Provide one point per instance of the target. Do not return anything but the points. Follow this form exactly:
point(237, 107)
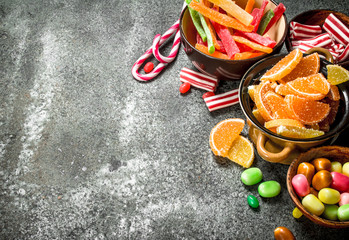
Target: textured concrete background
point(87, 152)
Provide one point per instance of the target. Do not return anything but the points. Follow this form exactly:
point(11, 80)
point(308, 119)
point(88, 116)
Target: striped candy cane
point(154, 49)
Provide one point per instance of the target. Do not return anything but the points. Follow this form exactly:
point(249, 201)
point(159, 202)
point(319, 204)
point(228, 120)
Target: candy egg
point(329, 196)
point(307, 169)
point(300, 185)
point(251, 176)
point(321, 164)
point(322, 179)
point(283, 233)
point(313, 205)
point(330, 212)
point(340, 182)
point(344, 199)
point(343, 212)
point(336, 167)
point(345, 169)
point(269, 189)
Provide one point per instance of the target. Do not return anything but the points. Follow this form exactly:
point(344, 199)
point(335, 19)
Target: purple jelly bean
point(301, 185)
point(340, 182)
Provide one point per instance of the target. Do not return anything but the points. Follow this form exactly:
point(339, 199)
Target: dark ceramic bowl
point(333, 153)
point(316, 17)
point(273, 147)
point(220, 68)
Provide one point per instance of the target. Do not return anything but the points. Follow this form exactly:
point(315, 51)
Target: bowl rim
point(279, 44)
point(295, 199)
point(288, 44)
point(258, 125)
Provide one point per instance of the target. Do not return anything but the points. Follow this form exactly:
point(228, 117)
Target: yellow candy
point(329, 196)
point(297, 213)
point(345, 169)
point(313, 204)
point(336, 167)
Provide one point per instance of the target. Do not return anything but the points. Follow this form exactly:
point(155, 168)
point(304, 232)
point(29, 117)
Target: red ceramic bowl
point(220, 68)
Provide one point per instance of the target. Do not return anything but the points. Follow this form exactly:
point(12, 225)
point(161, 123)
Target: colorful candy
point(343, 212)
point(340, 182)
point(283, 233)
point(322, 179)
point(296, 213)
point(252, 201)
point(251, 176)
point(344, 199)
point(300, 185)
point(269, 189)
point(307, 169)
point(329, 196)
point(198, 80)
point(222, 100)
point(313, 205)
point(336, 167)
point(330, 212)
point(321, 164)
point(345, 169)
point(185, 87)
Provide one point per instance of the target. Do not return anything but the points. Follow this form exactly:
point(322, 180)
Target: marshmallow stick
point(223, 100)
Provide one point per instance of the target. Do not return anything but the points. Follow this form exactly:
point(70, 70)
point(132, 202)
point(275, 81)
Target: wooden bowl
point(221, 68)
point(317, 17)
point(333, 153)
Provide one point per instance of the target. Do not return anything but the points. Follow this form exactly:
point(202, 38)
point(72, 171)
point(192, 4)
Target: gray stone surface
point(87, 152)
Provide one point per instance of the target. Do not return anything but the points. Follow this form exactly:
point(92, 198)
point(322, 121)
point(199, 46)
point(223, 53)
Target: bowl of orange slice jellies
point(294, 102)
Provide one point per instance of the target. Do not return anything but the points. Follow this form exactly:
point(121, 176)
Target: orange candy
point(261, 102)
point(277, 105)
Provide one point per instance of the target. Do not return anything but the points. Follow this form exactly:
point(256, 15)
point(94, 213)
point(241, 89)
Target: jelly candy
point(252, 201)
point(296, 213)
point(307, 169)
point(343, 212)
point(330, 212)
point(269, 189)
point(300, 185)
point(344, 199)
point(340, 182)
point(345, 169)
point(322, 164)
point(322, 179)
point(329, 196)
point(251, 176)
point(313, 205)
point(336, 167)
point(283, 233)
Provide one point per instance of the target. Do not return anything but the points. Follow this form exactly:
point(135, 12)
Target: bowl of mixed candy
point(318, 183)
point(224, 38)
point(294, 102)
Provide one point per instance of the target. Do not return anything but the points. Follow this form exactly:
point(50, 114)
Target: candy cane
point(154, 49)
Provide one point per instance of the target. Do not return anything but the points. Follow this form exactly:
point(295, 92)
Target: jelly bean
point(314, 192)
point(330, 212)
point(344, 199)
point(313, 205)
point(251, 176)
point(307, 169)
point(283, 233)
point(322, 179)
point(296, 213)
point(329, 196)
point(343, 212)
point(185, 87)
point(207, 94)
point(269, 189)
point(321, 164)
point(300, 185)
point(345, 169)
point(340, 182)
point(252, 201)
point(336, 167)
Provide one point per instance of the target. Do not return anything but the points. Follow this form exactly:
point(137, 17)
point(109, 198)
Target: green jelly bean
point(252, 201)
point(330, 212)
point(343, 212)
point(313, 204)
point(265, 21)
point(196, 21)
point(329, 196)
point(210, 46)
point(251, 176)
point(269, 189)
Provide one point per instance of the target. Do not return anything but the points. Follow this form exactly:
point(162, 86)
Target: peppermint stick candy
point(198, 80)
point(223, 100)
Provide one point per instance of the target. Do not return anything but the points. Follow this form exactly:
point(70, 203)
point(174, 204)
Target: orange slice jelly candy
point(260, 101)
point(314, 87)
point(273, 124)
point(298, 132)
point(306, 111)
point(308, 65)
point(284, 66)
point(283, 90)
point(223, 135)
point(277, 105)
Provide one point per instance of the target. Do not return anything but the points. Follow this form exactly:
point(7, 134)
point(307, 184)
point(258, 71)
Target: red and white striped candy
point(304, 46)
point(344, 55)
point(298, 30)
point(336, 29)
point(336, 51)
point(223, 100)
point(323, 40)
point(198, 80)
